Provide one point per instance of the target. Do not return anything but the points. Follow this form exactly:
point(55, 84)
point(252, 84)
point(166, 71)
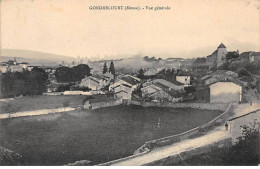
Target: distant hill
point(40, 58)
point(129, 64)
point(32, 62)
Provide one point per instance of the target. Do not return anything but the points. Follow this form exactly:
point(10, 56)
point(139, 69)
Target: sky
point(192, 28)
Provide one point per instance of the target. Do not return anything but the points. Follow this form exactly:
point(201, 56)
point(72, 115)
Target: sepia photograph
point(130, 83)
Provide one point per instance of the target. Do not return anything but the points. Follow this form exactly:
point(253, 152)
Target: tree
point(243, 72)
point(63, 74)
point(38, 81)
point(80, 71)
point(76, 73)
point(246, 151)
point(19, 84)
point(112, 68)
point(200, 60)
point(7, 85)
point(140, 73)
point(105, 68)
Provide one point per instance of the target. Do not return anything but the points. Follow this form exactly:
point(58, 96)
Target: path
point(219, 134)
point(241, 109)
point(35, 112)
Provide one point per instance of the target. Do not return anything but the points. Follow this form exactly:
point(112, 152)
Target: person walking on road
point(226, 126)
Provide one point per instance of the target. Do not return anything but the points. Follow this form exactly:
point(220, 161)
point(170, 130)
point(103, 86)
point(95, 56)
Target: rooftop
point(129, 80)
point(221, 46)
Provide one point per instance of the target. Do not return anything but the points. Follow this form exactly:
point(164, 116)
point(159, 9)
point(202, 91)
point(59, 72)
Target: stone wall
point(207, 106)
point(124, 159)
point(98, 105)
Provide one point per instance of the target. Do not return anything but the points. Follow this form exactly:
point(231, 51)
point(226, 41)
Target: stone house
point(225, 92)
point(124, 86)
point(183, 79)
point(95, 82)
point(127, 80)
point(161, 92)
point(254, 57)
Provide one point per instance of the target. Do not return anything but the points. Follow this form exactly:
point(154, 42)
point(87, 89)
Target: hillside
point(33, 62)
point(46, 58)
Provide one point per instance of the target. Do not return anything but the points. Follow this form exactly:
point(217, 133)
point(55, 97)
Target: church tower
point(221, 54)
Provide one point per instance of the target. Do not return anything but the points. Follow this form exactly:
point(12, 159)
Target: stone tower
point(221, 54)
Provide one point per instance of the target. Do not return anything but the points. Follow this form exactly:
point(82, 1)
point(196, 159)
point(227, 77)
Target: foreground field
point(97, 135)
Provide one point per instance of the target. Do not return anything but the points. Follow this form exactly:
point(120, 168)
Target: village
point(129, 83)
point(207, 80)
point(162, 102)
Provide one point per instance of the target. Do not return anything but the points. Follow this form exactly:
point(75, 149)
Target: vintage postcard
point(129, 82)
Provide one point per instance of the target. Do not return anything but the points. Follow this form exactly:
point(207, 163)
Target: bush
point(243, 72)
point(62, 88)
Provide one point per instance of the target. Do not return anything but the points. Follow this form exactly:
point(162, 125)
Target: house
point(123, 95)
point(123, 91)
point(183, 78)
point(16, 68)
point(30, 67)
point(225, 92)
point(13, 66)
point(90, 82)
point(173, 85)
point(219, 75)
point(97, 81)
point(150, 72)
point(128, 80)
point(3, 68)
point(161, 90)
point(150, 89)
point(24, 65)
point(124, 86)
point(244, 57)
point(254, 57)
point(94, 82)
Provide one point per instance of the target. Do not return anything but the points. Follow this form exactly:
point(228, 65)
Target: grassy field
point(29, 103)
point(97, 135)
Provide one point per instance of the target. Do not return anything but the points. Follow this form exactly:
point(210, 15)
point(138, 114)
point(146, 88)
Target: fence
point(188, 134)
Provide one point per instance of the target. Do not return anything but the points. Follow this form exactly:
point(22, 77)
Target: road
point(218, 134)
